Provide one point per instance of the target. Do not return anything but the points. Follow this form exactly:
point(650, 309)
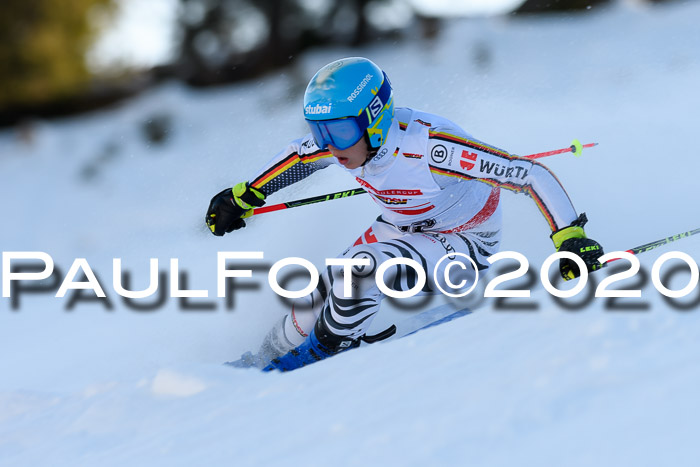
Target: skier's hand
point(228, 208)
point(573, 239)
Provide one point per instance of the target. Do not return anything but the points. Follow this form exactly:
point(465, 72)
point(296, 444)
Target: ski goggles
point(344, 132)
point(340, 133)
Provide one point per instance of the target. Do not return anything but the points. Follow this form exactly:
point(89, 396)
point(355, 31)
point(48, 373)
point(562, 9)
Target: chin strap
point(372, 150)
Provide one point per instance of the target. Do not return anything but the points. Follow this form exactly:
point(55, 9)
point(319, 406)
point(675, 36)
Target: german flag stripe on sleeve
point(508, 186)
point(444, 136)
point(313, 157)
point(542, 207)
point(287, 163)
point(527, 189)
point(553, 176)
point(276, 170)
point(543, 167)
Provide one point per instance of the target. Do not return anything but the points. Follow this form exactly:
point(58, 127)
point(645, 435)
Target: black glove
point(228, 208)
point(573, 239)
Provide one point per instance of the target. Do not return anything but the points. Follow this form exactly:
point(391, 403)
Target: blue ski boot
point(310, 351)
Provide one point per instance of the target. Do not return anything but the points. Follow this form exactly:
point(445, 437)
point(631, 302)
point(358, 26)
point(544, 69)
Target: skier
point(438, 189)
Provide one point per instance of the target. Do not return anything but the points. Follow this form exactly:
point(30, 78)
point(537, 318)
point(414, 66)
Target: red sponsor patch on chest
point(396, 192)
point(411, 155)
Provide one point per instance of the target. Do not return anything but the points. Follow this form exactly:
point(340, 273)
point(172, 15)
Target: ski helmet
point(346, 100)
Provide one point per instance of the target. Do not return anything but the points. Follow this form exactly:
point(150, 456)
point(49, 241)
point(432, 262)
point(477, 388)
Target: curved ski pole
point(575, 148)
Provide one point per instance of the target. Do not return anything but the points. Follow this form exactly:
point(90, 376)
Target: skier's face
point(352, 157)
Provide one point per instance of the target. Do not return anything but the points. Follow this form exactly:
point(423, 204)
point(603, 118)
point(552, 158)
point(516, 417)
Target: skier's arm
point(297, 161)
point(469, 159)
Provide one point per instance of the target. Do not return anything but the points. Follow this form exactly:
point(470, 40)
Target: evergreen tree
point(43, 46)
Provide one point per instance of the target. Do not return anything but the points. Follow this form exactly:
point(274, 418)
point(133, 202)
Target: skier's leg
point(345, 319)
point(349, 318)
point(293, 328)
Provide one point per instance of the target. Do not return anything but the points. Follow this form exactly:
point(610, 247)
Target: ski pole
point(311, 200)
point(655, 244)
point(575, 148)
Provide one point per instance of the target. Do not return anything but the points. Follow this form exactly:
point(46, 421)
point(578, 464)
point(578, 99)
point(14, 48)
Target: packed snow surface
point(587, 382)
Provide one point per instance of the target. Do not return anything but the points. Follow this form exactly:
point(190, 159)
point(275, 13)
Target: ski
point(247, 360)
point(428, 319)
point(407, 327)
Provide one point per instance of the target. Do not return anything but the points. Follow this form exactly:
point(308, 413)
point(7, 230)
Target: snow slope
point(549, 386)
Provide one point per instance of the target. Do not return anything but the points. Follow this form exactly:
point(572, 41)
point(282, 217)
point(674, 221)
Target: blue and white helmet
point(347, 99)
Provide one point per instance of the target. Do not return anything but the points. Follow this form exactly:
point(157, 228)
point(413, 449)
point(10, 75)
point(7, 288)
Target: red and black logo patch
point(465, 158)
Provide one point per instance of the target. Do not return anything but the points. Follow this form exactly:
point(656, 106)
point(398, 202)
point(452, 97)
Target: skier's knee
point(361, 282)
